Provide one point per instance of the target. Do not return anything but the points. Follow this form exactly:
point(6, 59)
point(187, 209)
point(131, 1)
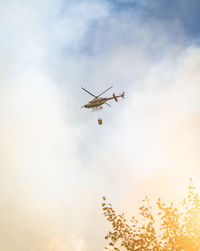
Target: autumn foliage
point(175, 229)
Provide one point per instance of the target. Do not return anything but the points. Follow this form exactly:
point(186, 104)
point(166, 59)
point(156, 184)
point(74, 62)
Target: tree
point(179, 229)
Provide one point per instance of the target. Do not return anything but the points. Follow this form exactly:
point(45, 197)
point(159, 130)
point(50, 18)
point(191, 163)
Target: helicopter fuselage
point(96, 102)
point(100, 101)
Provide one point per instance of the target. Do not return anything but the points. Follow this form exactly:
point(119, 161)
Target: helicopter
point(97, 102)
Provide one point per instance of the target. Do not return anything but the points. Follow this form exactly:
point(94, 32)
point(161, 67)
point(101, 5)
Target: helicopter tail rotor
point(115, 98)
point(123, 94)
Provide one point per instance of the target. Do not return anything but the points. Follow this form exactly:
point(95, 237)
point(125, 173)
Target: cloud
point(163, 12)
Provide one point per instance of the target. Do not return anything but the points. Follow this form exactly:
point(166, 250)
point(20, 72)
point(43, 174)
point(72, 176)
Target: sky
point(56, 162)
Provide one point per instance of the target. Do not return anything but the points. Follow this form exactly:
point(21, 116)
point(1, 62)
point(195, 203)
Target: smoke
point(153, 144)
point(56, 162)
point(63, 243)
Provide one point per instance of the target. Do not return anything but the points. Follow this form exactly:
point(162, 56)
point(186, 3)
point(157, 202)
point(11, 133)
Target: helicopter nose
point(84, 106)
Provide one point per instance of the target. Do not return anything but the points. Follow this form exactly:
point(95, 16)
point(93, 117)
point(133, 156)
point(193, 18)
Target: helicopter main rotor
point(99, 94)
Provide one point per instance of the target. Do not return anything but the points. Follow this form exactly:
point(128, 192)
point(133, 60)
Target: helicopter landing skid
point(97, 109)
